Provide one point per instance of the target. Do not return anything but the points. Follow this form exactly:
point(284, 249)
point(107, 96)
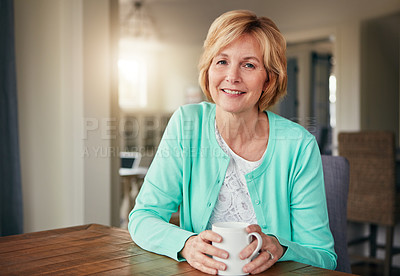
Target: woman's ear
point(266, 82)
point(265, 85)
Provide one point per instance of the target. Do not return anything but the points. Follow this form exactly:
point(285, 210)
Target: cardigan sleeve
point(160, 196)
point(311, 239)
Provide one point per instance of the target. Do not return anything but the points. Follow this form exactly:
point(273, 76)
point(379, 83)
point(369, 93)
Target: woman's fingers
point(211, 250)
point(204, 268)
point(207, 248)
point(254, 228)
point(210, 262)
point(259, 264)
point(210, 236)
point(198, 248)
point(248, 250)
point(270, 252)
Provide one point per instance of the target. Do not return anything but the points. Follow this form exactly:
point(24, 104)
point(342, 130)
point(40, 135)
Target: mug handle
point(259, 243)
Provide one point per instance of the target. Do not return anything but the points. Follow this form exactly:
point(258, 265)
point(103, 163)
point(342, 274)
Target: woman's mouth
point(232, 92)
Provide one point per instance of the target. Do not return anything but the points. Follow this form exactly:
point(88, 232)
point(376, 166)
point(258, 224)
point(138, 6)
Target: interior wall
point(380, 74)
point(116, 188)
point(49, 82)
point(380, 69)
point(178, 73)
point(63, 82)
point(71, 109)
point(347, 55)
point(99, 124)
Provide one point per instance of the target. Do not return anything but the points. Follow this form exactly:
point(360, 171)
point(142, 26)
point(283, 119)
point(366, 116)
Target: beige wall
point(181, 76)
point(380, 70)
point(97, 108)
point(62, 77)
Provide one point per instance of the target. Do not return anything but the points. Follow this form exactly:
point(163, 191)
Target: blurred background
point(89, 87)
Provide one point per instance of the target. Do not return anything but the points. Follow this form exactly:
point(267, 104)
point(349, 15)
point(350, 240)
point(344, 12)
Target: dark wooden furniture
point(373, 198)
point(102, 250)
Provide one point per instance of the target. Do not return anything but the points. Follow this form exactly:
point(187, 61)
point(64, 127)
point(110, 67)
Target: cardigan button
point(257, 202)
point(209, 204)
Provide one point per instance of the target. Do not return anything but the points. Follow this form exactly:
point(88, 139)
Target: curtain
point(11, 220)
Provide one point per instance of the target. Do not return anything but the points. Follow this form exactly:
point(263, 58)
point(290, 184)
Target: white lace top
point(234, 203)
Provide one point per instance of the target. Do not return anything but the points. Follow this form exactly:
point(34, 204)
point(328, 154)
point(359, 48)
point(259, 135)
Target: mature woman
point(231, 160)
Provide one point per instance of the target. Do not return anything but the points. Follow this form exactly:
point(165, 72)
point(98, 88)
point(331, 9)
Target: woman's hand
point(270, 252)
point(198, 247)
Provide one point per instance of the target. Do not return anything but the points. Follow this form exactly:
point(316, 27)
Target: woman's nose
point(233, 74)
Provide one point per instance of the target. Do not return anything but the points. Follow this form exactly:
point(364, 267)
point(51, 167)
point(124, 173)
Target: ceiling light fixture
point(137, 24)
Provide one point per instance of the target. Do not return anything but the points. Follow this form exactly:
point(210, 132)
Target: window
point(132, 82)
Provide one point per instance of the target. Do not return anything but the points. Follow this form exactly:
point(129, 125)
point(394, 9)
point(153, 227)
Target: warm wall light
point(332, 88)
point(132, 83)
point(137, 46)
point(332, 100)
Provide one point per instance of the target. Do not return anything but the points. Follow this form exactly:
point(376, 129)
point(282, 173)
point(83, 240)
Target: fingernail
point(222, 267)
point(225, 255)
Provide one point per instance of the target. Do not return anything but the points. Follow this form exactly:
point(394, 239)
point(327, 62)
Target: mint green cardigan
point(287, 189)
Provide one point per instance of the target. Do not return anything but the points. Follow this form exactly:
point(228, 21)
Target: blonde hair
point(229, 27)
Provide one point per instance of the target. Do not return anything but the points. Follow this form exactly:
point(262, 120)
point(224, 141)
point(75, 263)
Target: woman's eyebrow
point(252, 58)
point(245, 58)
point(221, 55)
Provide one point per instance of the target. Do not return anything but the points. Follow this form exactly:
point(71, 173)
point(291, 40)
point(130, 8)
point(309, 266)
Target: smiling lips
point(232, 92)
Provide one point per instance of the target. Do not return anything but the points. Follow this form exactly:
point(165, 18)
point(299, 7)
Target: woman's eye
point(249, 65)
point(222, 62)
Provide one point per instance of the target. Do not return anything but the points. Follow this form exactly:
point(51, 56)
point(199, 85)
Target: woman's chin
point(234, 109)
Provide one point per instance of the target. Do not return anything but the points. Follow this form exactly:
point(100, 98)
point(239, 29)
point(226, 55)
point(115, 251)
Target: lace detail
point(234, 202)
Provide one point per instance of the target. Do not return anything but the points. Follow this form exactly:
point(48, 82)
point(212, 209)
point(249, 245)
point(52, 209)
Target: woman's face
point(237, 76)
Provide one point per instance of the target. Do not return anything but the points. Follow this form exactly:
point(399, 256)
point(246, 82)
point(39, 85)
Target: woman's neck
point(244, 133)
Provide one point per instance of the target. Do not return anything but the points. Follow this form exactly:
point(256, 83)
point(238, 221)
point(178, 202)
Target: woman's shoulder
point(190, 117)
point(194, 112)
point(197, 109)
point(285, 128)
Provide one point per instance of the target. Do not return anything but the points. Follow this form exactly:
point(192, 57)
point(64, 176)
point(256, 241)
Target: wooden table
point(102, 250)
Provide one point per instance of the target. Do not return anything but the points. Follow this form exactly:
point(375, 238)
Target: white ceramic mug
point(234, 239)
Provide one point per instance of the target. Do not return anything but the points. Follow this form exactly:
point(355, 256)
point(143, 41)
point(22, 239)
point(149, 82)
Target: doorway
point(311, 92)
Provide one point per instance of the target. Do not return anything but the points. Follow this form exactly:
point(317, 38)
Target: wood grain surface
point(102, 250)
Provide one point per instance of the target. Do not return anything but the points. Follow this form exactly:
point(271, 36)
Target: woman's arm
point(312, 241)
point(160, 196)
